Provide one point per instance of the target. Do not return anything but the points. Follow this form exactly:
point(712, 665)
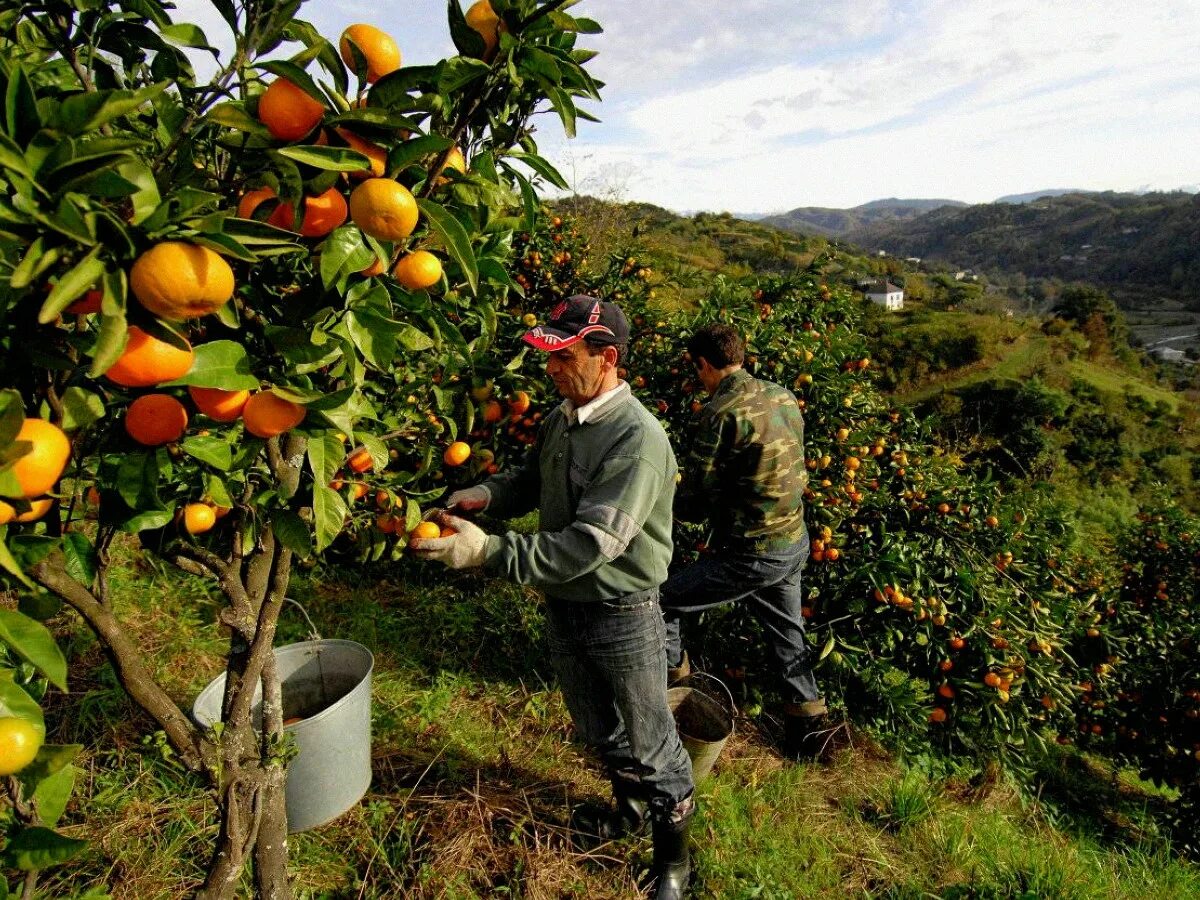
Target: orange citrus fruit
point(20, 741)
point(37, 509)
point(266, 414)
point(147, 361)
point(375, 268)
point(454, 160)
point(156, 419)
point(360, 460)
point(223, 406)
point(322, 213)
point(418, 270)
point(447, 532)
point(288, 111)
point(483, 19)
point(254, 198)
point(199, 518)
point(39, 469)
point(376, 154)
point(425, 531)
point(492, 412)
point(518, 403)
point(457, 453)
point(358, 490)
point(384, 209)
point(178, 280)
point(377, 48)
point(937, 714)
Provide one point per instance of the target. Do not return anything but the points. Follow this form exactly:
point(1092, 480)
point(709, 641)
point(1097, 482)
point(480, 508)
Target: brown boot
point(679, 672)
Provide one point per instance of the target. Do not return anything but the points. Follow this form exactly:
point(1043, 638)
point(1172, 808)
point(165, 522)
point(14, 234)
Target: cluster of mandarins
point(179, 281)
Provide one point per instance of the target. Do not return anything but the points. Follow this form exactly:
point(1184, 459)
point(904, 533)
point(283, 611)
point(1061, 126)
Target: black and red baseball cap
point(578, 318)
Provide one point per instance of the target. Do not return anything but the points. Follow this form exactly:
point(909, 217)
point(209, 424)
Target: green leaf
point(80, 278)
point(220, 364)
point(184, 34)
point(234, 115)
point(82, 562)
point(330, 159)
point(563, 105)
point(225, 245)
point(456, 73)
point(88, 111)
point(329, 510)
point(466, 39)
point(413, 339)
point(292, 532)
point(16, 702)
point(345, 243)
point(81, 408)
point(405, 154)
point(50, 759)
point(455, 239)
point(32, 641)
point(52, 795)
point(8, 563)
point(542, 167)
point(21, 118)
point(37, 848)
point(209, 449)
point(36, 260)
point(374, 336)
point(146, 198)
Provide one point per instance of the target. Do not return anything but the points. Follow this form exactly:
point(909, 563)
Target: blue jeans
point(770, 583)
point(610, 663)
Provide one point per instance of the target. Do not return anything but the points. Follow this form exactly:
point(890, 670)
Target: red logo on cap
point(594, 315)
point(558, 311)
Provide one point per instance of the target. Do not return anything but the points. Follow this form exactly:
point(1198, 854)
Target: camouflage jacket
point(745, 471)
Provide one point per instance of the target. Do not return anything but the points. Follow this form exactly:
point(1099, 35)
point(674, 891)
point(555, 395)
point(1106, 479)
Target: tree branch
point(193, 748)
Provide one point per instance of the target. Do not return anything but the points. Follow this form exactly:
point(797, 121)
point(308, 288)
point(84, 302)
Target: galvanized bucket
point(703, 717)
point(327, 709)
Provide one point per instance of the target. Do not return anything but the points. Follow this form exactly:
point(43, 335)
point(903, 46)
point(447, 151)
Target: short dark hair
point(719, 343)
point(595, 347)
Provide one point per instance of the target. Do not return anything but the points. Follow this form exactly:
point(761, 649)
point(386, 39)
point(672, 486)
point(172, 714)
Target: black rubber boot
point(679, 672)
point(627, 815)
point(672, 867)
point(807, 734)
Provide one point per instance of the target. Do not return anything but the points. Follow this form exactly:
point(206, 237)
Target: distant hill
point(1038, 195)
point(1131, 244)
point(837, 222)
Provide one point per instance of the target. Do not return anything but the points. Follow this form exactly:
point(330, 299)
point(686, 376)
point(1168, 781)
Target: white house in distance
point(886, 294)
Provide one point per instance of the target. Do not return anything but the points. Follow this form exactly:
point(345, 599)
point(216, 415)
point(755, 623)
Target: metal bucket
point(327, 692)
point(703, 718)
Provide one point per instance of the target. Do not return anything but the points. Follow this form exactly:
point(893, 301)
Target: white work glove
point(472, 499)
point(464, 550)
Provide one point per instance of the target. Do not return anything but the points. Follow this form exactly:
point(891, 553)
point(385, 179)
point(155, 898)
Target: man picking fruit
point(747, 464)
point(603, 475)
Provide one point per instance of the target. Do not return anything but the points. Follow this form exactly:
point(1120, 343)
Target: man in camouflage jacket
point(745, 473)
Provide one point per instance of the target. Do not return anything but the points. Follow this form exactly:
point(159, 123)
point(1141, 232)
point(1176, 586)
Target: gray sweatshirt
point(605, 489)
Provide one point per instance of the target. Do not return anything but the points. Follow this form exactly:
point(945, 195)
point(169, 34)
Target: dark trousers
point(770, 583)
point(612, 669)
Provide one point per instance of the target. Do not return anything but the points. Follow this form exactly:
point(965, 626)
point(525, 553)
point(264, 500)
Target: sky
point(762, 106)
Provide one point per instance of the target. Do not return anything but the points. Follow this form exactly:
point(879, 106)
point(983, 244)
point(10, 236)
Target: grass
point(473, 775)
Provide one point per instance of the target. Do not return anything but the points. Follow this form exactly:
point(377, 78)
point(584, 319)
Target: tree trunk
point(271, 849)
point(239, 804)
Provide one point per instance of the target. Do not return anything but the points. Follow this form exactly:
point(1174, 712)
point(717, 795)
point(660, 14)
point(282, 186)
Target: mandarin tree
point(199, 328)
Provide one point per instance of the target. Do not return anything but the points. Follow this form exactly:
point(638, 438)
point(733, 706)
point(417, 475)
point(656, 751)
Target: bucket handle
point(313, 634)
point(732, 708)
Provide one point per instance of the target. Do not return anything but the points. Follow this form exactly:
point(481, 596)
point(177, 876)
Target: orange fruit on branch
point(360, 460)
point(373, 152)
point(266, 414)
point(288, 111)
point(457, 453)
point(381, 53)
point(87, 304)
point(384, 209)
point(483, 19)
point(37, 509)
point(518, 403)
point(39, 469)
point(20, 741)
point(178, 280)
point(217, 404)
point(156, 419)
point(147, 361)
point(199, 518)
point(418, 270)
